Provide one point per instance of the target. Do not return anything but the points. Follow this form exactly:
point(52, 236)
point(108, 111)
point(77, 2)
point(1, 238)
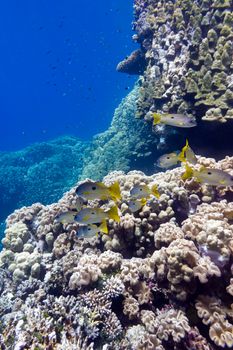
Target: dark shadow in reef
point(208, 139)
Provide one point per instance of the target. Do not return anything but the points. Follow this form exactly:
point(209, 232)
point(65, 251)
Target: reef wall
point(188, 47)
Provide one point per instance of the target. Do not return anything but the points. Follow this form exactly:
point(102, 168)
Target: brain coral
point(161, 279)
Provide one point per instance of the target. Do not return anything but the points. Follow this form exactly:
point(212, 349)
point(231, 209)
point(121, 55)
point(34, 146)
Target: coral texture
point(135, 63)
point(107, 153)
point(161, 279)
point(44, 171)
point(41, 172)
point(188, 47)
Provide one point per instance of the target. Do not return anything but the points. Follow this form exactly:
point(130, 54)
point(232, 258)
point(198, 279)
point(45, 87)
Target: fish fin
point(188, 172)
point(115, 191)
point(222, 182)
point(155, 192)
point(182, 155)
point(113, 214)
point(103, 227)
point(157, 118)
point(143, 201)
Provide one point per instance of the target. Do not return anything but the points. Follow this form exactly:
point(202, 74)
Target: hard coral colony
point(134, 262)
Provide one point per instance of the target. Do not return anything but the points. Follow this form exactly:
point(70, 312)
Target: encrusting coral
point(160, 279)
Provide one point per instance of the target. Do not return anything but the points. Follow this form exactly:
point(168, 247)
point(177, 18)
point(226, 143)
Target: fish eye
point(93, 188)
point(172, 117)
point(209, 173)
point(140, 189)
point(93, 213)
point(89, 229)
point(168, 157)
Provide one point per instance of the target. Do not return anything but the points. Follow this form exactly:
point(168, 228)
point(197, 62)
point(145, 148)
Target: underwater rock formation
point(135, 63)
point(126, 143)
point(188, 47)
point(189, 50)
point(161, 279)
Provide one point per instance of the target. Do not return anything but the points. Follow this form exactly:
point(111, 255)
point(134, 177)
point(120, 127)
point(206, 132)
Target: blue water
point(58, 61)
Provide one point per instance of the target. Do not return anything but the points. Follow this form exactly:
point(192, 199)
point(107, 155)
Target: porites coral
point(146, 274)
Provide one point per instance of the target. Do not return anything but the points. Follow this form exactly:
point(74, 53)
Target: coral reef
point(188, 47)
point(161, 279)
point(135, 63)
point(107, 153)
point(44, 171)
point(41, 172)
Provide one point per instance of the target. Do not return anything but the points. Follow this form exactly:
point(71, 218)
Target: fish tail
point(155, 192)
point(115, 191)
point(188, 172)
point(113, 214)
point(103, 227)
point(182, 155)
point(157, 118)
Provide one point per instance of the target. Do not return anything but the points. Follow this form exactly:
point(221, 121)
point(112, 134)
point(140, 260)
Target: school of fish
point(93, 221)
